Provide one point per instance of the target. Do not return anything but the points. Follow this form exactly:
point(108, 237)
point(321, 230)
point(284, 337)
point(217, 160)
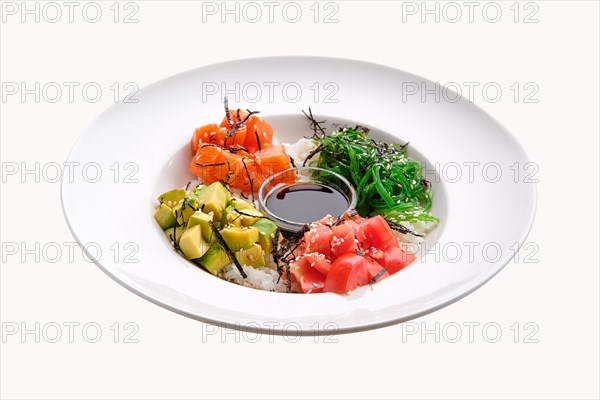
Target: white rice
point(300, 150)
point(263, 278)
point(420, 227)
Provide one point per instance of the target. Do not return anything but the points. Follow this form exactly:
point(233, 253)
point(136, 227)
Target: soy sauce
point(306, 202)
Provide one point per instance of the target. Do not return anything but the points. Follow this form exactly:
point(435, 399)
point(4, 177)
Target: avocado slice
point(185, 209)
point(249, 216)
point(202, 219)
point(230, 216)
point(252, 256)
point(241, 204)
point(215, 198)
point(266, 233)
point(164, 216)
point(172, 197)
point(246, 207)
point(214, 259)
point(198, 189)
point(192, 244)
point(238, 238)
point(175, 233)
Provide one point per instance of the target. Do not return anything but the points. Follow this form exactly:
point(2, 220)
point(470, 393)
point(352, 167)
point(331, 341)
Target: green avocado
point(202, 219)
point(238, 238)
point(172, 197)
point(230, 216)
point(241, 204)
point(185, 209)
point(198, 189)
point(249, 216)
point(192, 244)
point(214, 259)
point(266, 233)
point(215, 198)
point(164, 216)
point(252, 256)
point(175, 233)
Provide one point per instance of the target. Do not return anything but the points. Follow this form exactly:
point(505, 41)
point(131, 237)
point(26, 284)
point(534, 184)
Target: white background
point(176, 357)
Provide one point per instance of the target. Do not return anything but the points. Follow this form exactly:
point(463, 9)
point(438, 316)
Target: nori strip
point(312, 154)
point(249, 178)
point(227, 249)
point(210, 165)
point(377, 276)
point(314, 124)
point(258, 141)
point(246, 214)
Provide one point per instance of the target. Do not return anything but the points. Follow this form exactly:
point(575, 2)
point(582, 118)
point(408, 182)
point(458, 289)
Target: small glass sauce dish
point(299, 196)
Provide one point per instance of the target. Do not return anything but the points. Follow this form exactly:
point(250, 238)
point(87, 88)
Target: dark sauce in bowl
point(306, 202)
point(298, 196)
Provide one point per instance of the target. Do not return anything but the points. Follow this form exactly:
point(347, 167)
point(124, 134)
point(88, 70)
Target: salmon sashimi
point(209, 163)
point(238, 152)
point(203, 134)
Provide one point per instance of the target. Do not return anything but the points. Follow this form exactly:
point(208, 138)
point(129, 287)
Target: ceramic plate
point(135, 151)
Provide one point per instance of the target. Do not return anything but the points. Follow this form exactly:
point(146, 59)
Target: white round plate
point(141, 150)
